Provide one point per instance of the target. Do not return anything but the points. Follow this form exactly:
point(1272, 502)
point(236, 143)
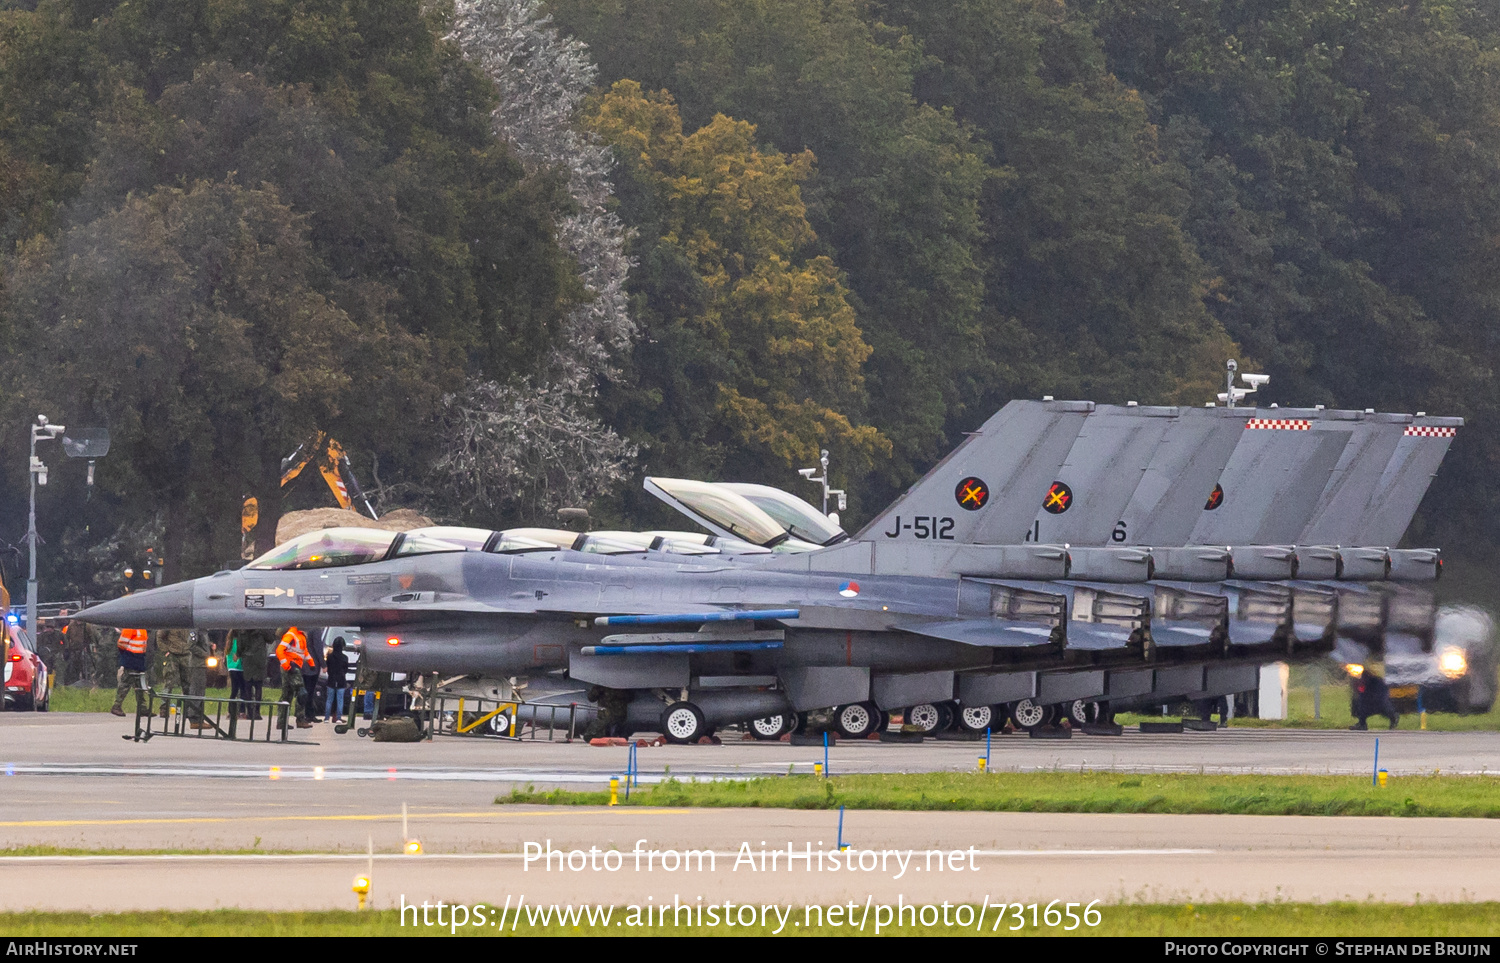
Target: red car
point(25, 673)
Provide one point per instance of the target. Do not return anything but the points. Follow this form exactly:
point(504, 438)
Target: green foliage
point(281, 217)
point(895, 199)
point(769, 356)
point(1342, 162)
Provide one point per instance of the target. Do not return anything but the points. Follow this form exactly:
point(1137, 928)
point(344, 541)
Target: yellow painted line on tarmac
point(348, 817)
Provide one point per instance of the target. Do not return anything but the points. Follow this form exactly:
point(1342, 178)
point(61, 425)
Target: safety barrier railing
point(208, 712)
point(514, 721)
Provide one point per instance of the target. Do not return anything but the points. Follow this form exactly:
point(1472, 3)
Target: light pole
point(41, 431)
point(811, 474)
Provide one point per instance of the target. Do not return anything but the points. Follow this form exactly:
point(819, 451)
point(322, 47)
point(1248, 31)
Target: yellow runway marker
point(350, 817)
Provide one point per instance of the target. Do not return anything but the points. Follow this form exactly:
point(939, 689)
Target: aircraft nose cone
point(168, 607)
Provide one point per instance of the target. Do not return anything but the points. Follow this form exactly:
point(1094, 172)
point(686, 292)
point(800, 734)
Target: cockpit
point(801, 520)
point(334, 547)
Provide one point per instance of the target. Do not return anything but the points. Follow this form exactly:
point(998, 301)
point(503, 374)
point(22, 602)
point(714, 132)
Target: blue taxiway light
point(697, 617)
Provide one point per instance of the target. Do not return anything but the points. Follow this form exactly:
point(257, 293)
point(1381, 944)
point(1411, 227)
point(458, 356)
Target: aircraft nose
point(168, 607)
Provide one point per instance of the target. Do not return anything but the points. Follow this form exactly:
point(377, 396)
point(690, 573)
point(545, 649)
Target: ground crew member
point(78, 652)
point(1369, 696)
point(132, 674)
point(198, 651)
point(292, 654)
point(253, 647)
point(174, 645)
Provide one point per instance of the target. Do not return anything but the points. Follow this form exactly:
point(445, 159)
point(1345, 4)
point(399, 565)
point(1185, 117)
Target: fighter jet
point(780, 612)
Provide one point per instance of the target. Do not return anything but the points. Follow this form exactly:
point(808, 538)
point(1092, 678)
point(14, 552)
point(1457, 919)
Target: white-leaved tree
point(534, 444)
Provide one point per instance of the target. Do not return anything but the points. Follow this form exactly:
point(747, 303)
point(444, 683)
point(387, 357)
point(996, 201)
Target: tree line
point(514, 256)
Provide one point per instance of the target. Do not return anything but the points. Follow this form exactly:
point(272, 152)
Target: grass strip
point(1446, 920)
point(1066, 792)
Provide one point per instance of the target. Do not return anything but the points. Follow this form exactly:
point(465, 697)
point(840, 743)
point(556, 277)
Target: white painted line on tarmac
point(725, 854)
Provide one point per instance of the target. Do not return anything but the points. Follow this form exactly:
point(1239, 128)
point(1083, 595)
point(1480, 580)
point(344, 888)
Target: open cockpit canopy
point(727, 513)
point(332, 547)
point(800, 519)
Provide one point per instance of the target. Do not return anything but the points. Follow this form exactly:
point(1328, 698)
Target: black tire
point(980, 718)
point(770, 728)
point(499, 725)
point(1028, 714)
point(947, 716)
point(857, 720)
point(926, 717)
point(799, 724)
point(1080, 712)
point(683, 723)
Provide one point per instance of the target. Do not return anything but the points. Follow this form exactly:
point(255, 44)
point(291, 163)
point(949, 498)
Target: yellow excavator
point(332, 463)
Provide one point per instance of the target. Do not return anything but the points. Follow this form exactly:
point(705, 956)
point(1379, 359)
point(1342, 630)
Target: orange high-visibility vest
point(133, 640)
point(293, 649)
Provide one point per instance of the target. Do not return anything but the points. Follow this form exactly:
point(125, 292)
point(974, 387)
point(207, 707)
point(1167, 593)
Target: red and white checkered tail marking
point(1282, 424)
point(1425, 431)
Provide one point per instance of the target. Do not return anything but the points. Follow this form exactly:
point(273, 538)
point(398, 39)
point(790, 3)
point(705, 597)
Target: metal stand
point(178, 724)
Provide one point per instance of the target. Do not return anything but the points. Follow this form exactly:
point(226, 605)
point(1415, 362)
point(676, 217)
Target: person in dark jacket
point(1369, 696)
point(338, 681)
point(310, 670)
point(255, 648)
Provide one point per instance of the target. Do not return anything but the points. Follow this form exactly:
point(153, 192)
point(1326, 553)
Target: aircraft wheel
point(1080, 712)
point(1027, 714)
point(857, 720)
point(925, 717)
point(947, 715)
point(979, 718)
point(770, 728)
point(799, 724)
point(682, 722)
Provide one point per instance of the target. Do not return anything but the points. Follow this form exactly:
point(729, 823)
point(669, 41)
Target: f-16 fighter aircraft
point(940, 599)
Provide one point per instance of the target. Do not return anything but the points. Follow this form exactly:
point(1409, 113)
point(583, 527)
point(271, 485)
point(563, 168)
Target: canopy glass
point(331, 547)
point(795, 515)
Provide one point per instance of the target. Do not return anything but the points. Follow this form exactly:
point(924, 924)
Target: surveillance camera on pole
point(811, 474)
point(1231, 395)
point(37, 469)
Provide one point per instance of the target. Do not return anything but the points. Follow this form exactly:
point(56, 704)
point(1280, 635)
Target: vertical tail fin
point(1341, 508)
point(986, 491)
point(1180, 479)
point(1274, 478)
point(1102, 470)
point(1405, 480)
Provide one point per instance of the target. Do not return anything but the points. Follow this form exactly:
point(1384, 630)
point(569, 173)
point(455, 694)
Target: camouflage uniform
point(176, 665)
point(198, 650)
point(131, 680)
point(106, 655)
point(291, 691)
point(254, 647)
point(78, 652)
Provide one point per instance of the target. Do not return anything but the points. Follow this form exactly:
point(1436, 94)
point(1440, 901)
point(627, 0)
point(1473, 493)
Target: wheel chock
point(907, 737)
point(957, 736)
point(1161, 727)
